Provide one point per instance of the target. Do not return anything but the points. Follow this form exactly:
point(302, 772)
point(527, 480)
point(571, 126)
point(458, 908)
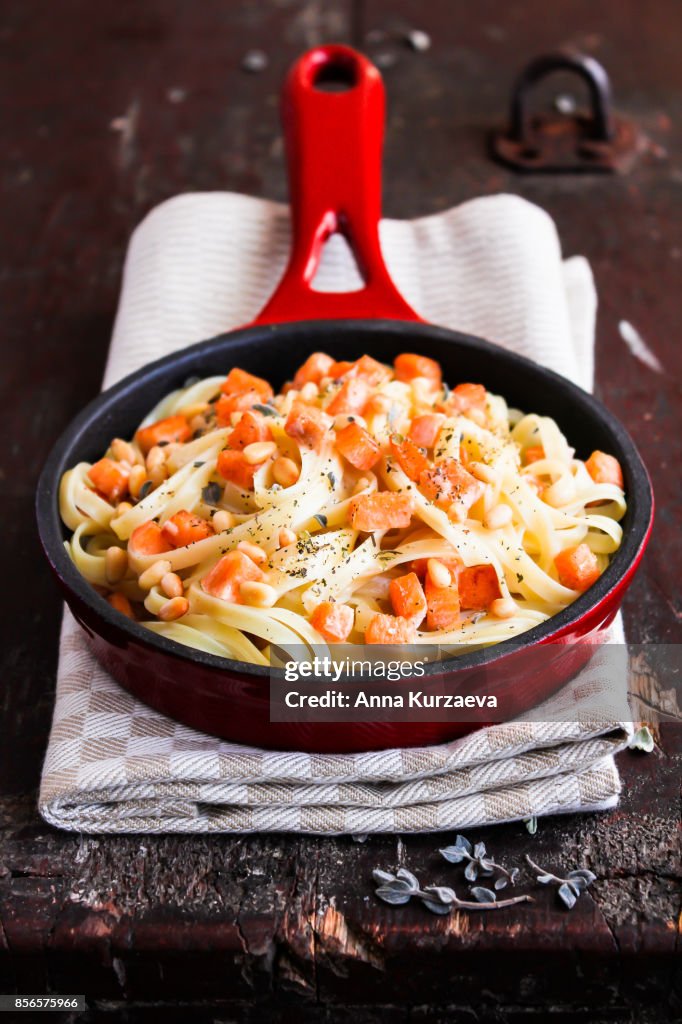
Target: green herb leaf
point(454, 854)
point(266, 410)
point(390, 894)
point(471, 871)
point(583, 877)
point(211, 493)
point(436, 908)
point(382, 877)
point(642, 740)
point(567, 895)
point(482, 895)
point(442, 894)
point(569, 888)
point(439, 899)
point(408, 877)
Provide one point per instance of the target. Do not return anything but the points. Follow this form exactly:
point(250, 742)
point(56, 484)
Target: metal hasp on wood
point(566, 142)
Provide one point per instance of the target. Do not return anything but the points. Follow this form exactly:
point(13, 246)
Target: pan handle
point(334, 141)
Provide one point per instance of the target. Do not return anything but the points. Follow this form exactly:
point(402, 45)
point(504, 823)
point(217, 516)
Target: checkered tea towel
point(200, 264)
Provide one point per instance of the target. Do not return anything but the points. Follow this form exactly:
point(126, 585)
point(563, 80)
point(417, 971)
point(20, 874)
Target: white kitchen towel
point(201, 264)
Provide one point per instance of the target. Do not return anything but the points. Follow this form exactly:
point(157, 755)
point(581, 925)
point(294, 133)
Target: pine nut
point(497, 517)
point(503, 608)
point(171, 584)
point(121, 603)
point(259, 451)
point(486, 474)
point(439, 574)
point(123, 451)
point(222, 520)
point(260, 595)
point(123, 507)
point(286, 537)
point(285, 471)
point(170, 449)
point(115, 564)
point(138, 475)
point(255, 553)
point(157, 475)
point(173, 609)
point(156, 456)
point(154, 574)
point(235, 418)
point(560, 492)
point(309, 391)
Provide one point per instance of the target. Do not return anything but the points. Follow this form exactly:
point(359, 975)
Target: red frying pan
point(334, 141)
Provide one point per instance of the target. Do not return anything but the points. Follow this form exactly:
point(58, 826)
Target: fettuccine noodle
point(362, 504)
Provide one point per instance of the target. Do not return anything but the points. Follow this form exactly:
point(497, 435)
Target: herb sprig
point(399, 889)
point(570, 887)
point(478, 862)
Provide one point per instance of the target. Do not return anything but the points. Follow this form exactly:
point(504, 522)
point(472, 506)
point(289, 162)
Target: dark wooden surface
point(108, 109)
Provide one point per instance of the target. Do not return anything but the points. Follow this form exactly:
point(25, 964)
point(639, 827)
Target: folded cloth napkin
point(198, 265)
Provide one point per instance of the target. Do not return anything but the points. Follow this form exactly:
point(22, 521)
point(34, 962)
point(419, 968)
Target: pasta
point(363, 504)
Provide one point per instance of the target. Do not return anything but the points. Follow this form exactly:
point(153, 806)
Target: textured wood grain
point(109, 109)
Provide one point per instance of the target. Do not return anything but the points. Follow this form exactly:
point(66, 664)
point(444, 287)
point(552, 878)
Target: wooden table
point(109, 109)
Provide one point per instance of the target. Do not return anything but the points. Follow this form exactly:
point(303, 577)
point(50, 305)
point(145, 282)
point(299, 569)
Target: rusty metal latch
point(566, 142)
